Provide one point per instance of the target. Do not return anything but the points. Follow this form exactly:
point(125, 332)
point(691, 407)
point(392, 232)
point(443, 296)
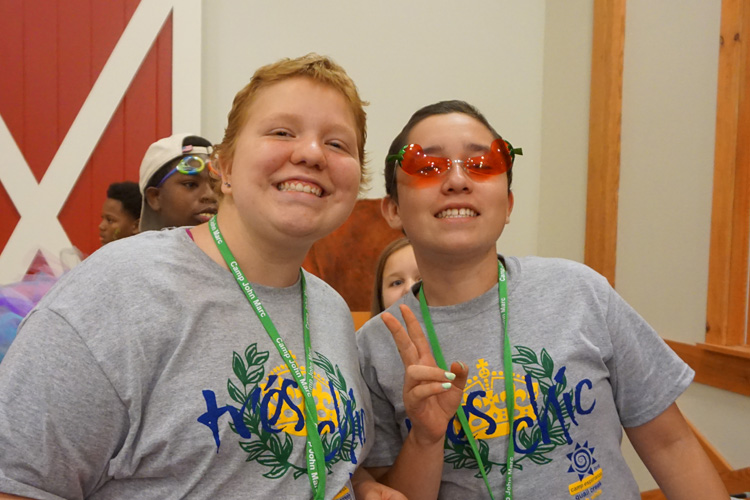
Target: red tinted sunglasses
point(497, 160)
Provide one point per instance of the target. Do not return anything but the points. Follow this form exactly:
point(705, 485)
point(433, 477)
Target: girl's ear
point(152, 198)
point(225, 169)
point(390, 210)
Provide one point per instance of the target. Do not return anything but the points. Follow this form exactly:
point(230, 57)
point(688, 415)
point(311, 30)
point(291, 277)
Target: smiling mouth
point(300, 187)
point(206, 216)
point(455, 213)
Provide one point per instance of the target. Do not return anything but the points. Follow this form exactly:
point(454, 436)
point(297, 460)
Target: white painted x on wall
point(38, 204)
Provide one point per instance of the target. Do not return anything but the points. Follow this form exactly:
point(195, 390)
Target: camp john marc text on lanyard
point(316, 465)
point(502, 292)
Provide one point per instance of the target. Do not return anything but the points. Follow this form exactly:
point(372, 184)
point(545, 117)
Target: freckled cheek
point(347, 175)
point(261, 167)
point(266, 160)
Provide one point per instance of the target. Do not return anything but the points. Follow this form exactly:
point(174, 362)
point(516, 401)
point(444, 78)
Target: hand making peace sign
point(431, 395)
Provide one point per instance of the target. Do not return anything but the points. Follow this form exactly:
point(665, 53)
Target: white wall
point(565, 128)
point(669, 115)
point(402, 55)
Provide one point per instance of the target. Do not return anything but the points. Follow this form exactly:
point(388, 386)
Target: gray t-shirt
point(584, 365)
point(146, 374)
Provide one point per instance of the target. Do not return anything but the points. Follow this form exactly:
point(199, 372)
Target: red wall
point(51, 52)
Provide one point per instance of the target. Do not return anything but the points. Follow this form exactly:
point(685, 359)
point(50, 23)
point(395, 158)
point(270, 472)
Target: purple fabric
point(16, 301)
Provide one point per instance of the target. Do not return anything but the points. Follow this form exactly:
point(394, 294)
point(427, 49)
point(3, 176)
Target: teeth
point(300, 187)
point(450, 213)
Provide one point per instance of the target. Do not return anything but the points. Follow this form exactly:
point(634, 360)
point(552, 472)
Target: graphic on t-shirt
point(269, 411)
point(583, 463)
point(547, 404)
point(345, 493)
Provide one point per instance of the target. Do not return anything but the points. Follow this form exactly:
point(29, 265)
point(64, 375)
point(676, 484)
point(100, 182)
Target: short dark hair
point(129, 195)
point(439, 108)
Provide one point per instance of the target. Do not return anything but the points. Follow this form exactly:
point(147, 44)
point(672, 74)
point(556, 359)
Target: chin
point(305, 233)
point(310, 227)
point(463, 246)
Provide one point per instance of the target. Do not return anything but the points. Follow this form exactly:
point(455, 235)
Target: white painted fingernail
point(450, 376)
point(447, 386)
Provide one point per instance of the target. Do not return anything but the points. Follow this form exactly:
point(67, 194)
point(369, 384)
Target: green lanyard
point(316, 464)
point(502, 292)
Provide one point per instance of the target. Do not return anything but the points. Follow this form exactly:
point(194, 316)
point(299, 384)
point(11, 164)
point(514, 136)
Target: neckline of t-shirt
point(262, 290)
point(477, 305)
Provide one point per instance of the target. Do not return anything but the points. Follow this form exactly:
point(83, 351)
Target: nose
point(102, 225)
point(309, 152)
point(456, 179)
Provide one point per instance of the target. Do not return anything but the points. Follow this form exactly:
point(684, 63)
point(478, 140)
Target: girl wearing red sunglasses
point(517, 375)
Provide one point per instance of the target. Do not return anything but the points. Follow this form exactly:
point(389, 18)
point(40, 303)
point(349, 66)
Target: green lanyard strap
point(502, 292)
point(316, 464)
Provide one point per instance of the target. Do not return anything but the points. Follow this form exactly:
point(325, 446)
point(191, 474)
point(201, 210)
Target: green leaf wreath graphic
point(345, 445)
point(273, 450)
point(543, 372)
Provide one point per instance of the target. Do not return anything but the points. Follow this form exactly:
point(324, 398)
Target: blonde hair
point(319, 68)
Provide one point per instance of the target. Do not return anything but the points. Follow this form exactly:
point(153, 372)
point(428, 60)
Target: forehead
point(401, 260)
point(450, 131)
point(112, 206)
point(178, 177)
point(301, 96)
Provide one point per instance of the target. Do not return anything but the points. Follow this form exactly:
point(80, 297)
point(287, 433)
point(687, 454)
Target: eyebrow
point(472, 147)
point(296, 118)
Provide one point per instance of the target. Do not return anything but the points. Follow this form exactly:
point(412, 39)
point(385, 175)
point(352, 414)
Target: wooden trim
point(653, 495)
point(739, 351)
point(605, 117)
point(728, 261)
point(741, 229)
point(720, 370)
point(737, 481)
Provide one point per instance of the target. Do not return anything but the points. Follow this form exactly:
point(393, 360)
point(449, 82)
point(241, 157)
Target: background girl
point(395, 274)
